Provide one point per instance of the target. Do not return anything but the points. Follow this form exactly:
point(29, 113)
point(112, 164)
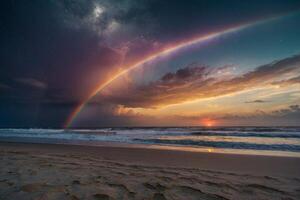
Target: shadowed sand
point(42, 171)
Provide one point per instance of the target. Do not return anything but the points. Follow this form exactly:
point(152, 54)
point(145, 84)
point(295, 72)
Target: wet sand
point(44, 171)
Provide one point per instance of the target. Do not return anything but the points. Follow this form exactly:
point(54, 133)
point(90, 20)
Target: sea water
point(283, 141)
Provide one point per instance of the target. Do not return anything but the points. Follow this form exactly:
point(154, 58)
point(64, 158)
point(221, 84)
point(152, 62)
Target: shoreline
point(191, 148)
point(139, 154)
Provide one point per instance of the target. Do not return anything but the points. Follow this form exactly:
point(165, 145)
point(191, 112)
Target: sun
point(208, 122)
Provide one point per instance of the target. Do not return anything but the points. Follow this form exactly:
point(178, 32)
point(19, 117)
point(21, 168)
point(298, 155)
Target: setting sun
point(208, 122)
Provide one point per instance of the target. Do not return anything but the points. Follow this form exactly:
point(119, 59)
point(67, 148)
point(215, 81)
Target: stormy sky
point(55, 53)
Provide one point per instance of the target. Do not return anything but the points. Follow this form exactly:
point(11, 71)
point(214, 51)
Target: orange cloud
point(294, 80)
point(200, 82)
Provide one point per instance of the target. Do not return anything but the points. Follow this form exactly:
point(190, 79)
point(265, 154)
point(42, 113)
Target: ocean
point(281, 141)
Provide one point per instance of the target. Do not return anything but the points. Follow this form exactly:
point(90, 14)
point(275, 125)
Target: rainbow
point(173, 48)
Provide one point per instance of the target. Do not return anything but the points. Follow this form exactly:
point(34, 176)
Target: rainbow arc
point(172, 49)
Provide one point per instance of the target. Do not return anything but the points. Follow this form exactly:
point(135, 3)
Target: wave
point(60, 134)
point(249, 134)
point(225, 145)
point(195, 128)
point(259, 138)
point(35, 131)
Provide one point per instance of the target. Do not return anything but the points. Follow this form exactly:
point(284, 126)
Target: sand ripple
point(67, 176)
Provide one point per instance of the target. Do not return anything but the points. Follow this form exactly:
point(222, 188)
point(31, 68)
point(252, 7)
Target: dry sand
point(42, 171)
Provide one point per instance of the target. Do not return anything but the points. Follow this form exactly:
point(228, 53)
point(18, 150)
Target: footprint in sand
point(102, 197)
point(33, 187)
point(159, 196)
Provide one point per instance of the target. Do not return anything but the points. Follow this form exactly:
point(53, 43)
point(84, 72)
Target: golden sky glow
point(156, 55)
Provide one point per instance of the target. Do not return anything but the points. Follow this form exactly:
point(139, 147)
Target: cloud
point(4, 86)
point(32, 82)
point(257, 101)
point(106, 17)
point(292, 109)
point(75, 44)
point(288, 116)
point(294, 80)
point(199, 82)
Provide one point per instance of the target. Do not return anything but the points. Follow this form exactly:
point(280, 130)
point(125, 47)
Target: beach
point(150, 100)
point(52, 171)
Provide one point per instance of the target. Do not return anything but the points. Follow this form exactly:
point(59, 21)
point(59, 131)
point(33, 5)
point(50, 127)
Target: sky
point(116, 63)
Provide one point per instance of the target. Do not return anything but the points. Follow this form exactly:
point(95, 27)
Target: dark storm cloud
point(199, 82)
point(65, 45)
point(64, 42)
